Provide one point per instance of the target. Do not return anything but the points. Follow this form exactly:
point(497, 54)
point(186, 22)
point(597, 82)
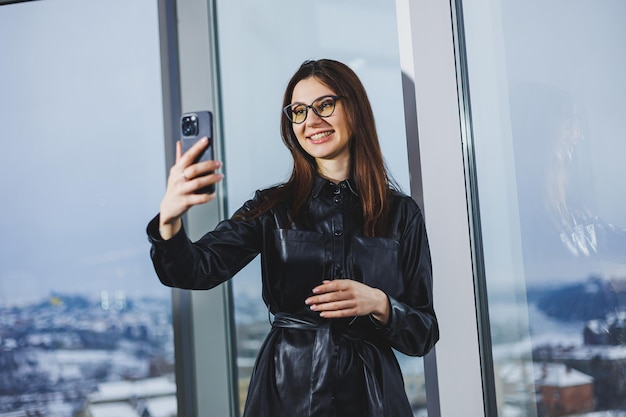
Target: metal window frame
point(203, 320)
point(459, 374)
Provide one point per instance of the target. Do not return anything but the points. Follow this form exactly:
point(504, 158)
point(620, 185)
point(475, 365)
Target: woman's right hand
point(184, 179)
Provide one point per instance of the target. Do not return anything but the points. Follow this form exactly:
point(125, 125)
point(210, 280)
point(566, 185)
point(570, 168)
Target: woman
point(345, 260)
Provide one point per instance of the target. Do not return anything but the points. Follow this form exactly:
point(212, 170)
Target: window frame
point(207, 384)
point(437, 119)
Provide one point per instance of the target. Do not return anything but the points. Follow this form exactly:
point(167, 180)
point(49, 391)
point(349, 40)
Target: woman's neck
point(333, 169)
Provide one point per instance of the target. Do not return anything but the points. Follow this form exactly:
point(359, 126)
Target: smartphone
point(193, 127)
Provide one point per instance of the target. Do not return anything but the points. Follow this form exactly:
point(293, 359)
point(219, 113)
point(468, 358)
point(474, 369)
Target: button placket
point(338, 245)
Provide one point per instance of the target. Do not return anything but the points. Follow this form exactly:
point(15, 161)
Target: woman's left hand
point(347, 298)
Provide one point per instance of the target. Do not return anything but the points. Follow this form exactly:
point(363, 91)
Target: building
point(153, 397)
point(564, 391)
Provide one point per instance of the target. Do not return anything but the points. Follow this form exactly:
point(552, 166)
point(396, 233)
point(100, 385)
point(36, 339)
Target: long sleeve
point(204, 264)
point(412, 328)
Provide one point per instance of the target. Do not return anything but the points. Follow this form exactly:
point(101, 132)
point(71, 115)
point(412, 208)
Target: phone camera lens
point(189, 126)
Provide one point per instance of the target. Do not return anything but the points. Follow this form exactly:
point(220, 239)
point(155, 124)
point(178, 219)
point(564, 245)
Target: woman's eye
point(325, 104)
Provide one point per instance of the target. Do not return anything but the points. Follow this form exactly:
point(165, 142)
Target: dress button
point(338, 199)
point(338, 233)
point(337, 190)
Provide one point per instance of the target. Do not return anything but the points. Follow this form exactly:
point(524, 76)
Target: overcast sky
point(549, 125)
point(82, 165)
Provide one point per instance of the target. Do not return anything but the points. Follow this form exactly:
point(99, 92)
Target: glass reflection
point(548, 123)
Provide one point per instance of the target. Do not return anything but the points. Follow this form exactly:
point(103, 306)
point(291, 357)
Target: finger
point(329, 286)
point(328, 297)
point(335, 306)
point(185, 200)
point(196, 199)
point(201, 168)
point(205, 181)
point(338, 314)
point(195, 151)
point(192, 184)
point(179, 150)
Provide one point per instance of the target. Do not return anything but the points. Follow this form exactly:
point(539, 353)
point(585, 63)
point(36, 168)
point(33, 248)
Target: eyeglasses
point(323, 106)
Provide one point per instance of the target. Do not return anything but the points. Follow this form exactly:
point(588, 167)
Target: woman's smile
point(321, 137)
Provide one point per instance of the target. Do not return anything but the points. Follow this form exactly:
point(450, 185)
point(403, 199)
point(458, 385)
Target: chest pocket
point(300, 253)
point(375, 262)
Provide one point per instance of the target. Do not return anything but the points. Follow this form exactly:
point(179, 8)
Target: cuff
point(378, 324)
point(396, 310)
point(154, 235)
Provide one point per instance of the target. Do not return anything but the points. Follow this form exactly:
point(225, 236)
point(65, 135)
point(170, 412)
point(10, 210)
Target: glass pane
point(84, 327)
point(257, 58)
point(548, 110)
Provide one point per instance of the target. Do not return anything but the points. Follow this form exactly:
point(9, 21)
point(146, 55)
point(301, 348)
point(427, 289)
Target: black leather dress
point(309, 366)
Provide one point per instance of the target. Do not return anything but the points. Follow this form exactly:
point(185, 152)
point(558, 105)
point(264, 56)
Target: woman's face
point(324, 138)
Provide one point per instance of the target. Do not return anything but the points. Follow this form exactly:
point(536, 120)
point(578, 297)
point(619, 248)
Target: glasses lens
point(325, 106)
point(297, 113)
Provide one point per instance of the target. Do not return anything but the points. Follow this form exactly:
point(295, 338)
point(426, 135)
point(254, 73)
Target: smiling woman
point(336, 321)
point(254, 155)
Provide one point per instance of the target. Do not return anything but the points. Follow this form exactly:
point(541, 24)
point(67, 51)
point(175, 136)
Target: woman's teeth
point(321, 135)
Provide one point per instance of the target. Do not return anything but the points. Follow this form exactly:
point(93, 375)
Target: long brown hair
point(368, 168)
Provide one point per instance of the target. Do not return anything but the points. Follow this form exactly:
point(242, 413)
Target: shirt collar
point(319, 183)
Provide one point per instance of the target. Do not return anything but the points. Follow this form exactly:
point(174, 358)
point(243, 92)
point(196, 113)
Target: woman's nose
point(313, 119)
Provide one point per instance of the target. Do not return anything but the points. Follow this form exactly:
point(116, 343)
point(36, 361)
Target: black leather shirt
point(309, 366)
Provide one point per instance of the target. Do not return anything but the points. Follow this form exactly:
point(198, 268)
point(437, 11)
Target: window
point(547, 114)
point(82, 316)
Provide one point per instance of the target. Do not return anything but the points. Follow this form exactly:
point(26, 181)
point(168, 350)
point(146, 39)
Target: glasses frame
point(287, 109)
